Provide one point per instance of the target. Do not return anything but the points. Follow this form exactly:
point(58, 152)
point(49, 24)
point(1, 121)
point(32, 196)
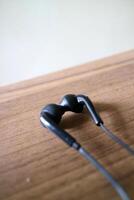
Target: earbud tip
point(71, 103)
point(54, 112)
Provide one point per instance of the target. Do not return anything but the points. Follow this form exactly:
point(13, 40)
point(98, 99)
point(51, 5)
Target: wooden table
point(36, 165)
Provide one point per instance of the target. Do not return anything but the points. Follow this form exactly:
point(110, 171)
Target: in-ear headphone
point(51, 116)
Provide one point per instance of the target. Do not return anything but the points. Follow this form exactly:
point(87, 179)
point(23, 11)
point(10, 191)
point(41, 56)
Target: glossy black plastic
point(51, 115)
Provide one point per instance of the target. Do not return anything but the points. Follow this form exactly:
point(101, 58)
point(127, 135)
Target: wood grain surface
point(36, 165)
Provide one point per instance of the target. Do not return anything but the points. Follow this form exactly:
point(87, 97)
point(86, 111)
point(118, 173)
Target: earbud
point(51, 115)
point(54, 112)
point(91, 109)
point(70, 102)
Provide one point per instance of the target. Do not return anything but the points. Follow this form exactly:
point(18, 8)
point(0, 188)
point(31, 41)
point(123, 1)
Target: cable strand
point(119, 189)
point(116, 139)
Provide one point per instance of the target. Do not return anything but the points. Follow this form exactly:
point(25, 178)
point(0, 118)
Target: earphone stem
point(116, 139)
point(103, 171)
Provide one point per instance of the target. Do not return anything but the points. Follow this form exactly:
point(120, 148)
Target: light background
point(42, 36)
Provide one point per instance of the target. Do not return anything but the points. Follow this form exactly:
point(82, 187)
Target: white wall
point(41, 36)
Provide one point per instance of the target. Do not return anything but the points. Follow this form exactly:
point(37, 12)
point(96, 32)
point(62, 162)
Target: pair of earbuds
point(51, 116)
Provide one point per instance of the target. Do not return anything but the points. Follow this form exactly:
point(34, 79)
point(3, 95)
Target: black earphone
point(51, 116)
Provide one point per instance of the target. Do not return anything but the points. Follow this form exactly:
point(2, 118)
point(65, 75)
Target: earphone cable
point(116, 139)
point(107, 175)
